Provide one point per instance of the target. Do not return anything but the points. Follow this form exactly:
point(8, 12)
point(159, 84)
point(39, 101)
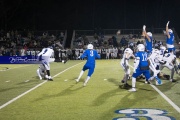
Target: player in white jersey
point(46, 55)
point(169, 59)
point(41, 71)
point(154, 61)
point(125, 65)
point(159, 60)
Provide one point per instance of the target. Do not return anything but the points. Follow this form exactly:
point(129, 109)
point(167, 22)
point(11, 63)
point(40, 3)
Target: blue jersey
point(143, 61)
point(143, 67)
point(91, 56)
point(148, 44)
point(170, 40)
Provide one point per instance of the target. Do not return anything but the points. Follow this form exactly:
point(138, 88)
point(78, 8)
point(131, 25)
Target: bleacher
point(108, 33)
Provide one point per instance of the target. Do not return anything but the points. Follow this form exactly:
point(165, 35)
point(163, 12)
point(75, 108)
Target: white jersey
point(162, 50)
point(169, 57)
point(47, 54)
point(127, 54)
point(154, 57)
point(124, 61)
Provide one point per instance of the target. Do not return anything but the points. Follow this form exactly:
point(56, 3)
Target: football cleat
point(84, 84)
point(158, 80)
point(76, 80)
point(50, 79)
point(172, 80)
point(132, 90)
point(147, 82)
point(158, 83)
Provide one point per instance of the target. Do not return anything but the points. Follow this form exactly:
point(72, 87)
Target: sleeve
point(126, 59)
point(97, 55)
point(39, 54)
point(136, 62)
point(84, 55)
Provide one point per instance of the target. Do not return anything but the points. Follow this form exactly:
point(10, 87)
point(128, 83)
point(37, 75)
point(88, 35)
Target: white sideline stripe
point(19, 96)
point(167, 99)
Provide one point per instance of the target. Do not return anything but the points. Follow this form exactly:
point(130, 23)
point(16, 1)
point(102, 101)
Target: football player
point(46, 55)
point(154, 61)
point(125, 65)
point(169, 38)
point(148, 40)
point(41, 71)
point(141, 66)
point(170, 60)
point(91, 55)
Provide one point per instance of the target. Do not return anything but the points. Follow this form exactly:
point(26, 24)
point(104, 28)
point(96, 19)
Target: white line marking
point(19, 96)
point(167, 99)
point(26, 81)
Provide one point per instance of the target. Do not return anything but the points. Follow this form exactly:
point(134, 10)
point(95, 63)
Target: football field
point(24, 97)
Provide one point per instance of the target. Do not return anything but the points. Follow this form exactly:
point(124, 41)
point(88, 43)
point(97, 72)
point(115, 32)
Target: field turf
point(24, 97)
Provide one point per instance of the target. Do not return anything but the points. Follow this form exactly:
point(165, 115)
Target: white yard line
point(167, 99)
point(19, 96)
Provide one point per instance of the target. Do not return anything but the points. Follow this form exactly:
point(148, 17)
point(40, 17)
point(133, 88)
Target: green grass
point(63, 99)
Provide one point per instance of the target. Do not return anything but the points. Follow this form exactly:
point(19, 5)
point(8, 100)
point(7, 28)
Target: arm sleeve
point(84, 55)
point(136, 62)
point(98, 56)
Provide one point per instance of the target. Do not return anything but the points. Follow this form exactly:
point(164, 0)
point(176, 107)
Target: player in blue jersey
point(141, 66)
point(169, 38)
point(91, 56)
point(148, 39)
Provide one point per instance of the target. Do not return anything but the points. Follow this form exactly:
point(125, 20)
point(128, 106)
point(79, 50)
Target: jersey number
point(45, 51)
point(144, 57)
point(91, 53)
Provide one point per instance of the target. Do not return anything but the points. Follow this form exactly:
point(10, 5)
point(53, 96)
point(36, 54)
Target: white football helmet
point(170, 31)
point(141, 47)
point(128, 50)
point(149, 34)
point(90, 46)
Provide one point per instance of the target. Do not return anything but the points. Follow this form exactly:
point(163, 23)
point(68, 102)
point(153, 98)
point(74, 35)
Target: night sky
point(89, 14)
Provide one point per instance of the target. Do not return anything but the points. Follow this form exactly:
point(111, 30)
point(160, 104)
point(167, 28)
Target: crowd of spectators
point(21, 43)
point(17, 43)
